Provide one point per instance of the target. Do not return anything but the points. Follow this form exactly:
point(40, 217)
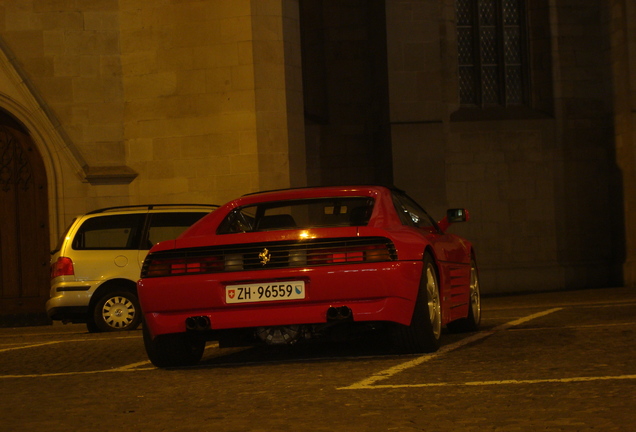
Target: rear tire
point(173, 350)
point(91, 326)
point(424, 332)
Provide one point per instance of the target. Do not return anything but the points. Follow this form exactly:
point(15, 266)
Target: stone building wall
point(157, 101)
point(540, 181)
point(622, 22)
point(200, 101)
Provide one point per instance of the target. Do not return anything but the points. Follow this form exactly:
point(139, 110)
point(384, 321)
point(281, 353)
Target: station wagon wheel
point(117, 311)
point(173, 350)
point(91, 326)
point(424, 332)
point(473, 319)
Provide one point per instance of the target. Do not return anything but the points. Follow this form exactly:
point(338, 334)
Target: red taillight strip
point(157, 266)
point(279, 255)
point(369, 253)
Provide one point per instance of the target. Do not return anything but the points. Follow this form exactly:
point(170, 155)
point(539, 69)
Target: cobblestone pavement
point(542, 362)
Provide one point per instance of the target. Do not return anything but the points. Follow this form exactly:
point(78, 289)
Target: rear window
point(168, 226)
point(299, 214)
point(109, 232)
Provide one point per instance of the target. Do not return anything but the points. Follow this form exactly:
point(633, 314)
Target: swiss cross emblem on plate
point(231, 293)
point(265, 256)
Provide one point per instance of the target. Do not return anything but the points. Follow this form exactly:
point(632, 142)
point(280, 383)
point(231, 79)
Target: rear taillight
point(156, 267)
point(350, 255)
point(377, 253)
point(279, 255)
point(62, 267)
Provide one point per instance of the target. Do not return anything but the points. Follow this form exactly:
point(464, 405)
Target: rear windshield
point(299, 214)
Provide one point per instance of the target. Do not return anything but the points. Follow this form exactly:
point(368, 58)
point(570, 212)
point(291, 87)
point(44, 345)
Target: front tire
point(424, 333)
point(116, 311)
point(173, 350)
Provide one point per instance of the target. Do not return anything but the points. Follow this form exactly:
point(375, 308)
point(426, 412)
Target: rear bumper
point(69, 301)
point(74, 314)
point(382, 292)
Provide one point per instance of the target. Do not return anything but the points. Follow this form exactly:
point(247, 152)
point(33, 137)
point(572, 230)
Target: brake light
point(234, 258)
point(156, 267)
point(350, 255)
point(62, 267)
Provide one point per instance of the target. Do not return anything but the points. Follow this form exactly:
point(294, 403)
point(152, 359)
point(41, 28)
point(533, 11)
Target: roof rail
point(150, 207)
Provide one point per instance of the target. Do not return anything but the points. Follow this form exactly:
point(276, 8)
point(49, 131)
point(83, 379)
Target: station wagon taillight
point(62, 267)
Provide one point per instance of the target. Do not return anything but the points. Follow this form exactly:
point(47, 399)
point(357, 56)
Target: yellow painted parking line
point(502, 382)
point(59, 374)
point(34, 345)
point(577, 326)
point(388, 373)
point(136, 366)
point(28, 346)
point(133, 367)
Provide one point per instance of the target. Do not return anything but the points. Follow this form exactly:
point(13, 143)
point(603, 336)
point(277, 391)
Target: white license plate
point(262, 292)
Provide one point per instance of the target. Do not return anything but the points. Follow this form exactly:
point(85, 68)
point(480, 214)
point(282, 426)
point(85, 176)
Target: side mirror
point(457, 215)
point(453, 216)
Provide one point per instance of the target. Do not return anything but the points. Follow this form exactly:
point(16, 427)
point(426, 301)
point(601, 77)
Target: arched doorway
point(24, 227)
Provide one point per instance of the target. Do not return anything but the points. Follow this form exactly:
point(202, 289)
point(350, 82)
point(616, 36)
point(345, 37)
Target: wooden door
point(24, 230)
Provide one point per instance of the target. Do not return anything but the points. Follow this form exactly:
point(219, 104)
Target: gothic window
point(493, 66)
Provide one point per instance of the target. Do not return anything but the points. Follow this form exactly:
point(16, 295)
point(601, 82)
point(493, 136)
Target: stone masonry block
point(209, 57)
point(150, 85)
point(246, 163)
point(58, 89)
point(30, 42)
point(139, 63)
point(269, 52)
point(235, 29)
point(106, 113)
point(267, 28)
point(163, 186)
point(88, 89)
point(473, 172)
point(139, 150)
point(179, 59)
point(101, 20)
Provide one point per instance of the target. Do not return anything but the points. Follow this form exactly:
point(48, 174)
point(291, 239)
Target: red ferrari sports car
point(283, 266)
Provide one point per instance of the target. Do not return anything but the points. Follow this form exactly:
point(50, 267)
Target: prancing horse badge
point(265, 256)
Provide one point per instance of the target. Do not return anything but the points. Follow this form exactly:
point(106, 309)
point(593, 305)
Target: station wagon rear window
point(167, 226)
point(110, 232)
point(299, 214)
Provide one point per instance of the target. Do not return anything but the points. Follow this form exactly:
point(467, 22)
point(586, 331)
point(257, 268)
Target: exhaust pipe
point(339, 313)
point(198, 323)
